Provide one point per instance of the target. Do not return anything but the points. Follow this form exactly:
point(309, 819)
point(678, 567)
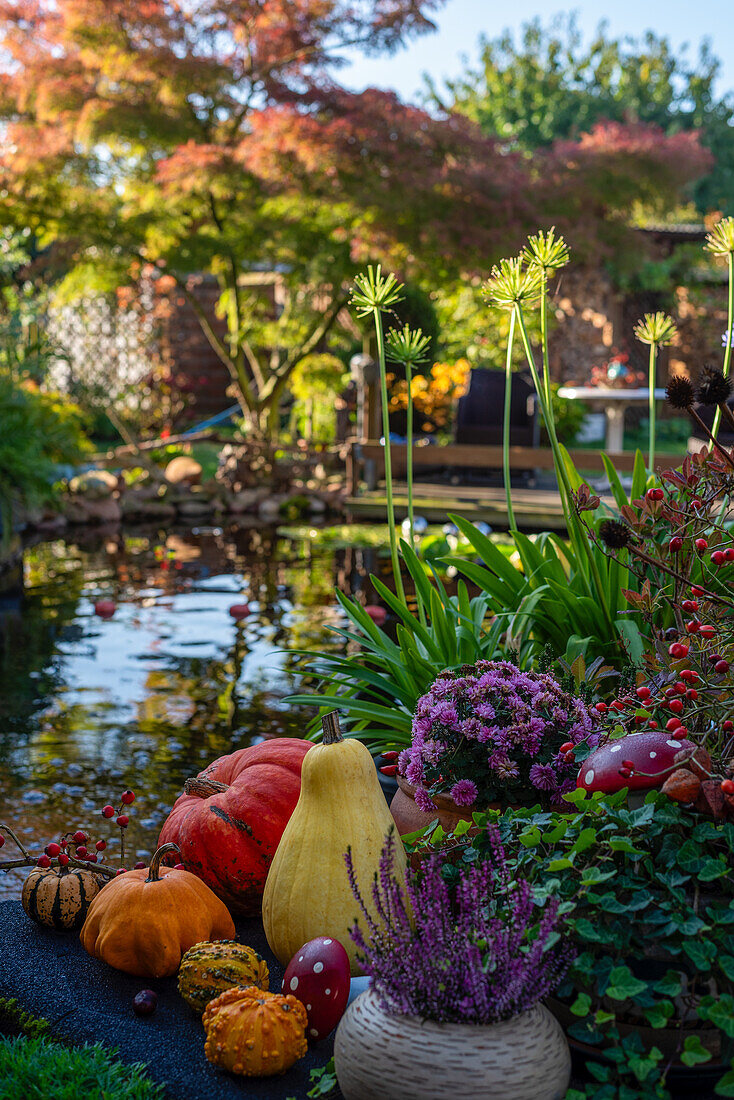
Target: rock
point(80, 510)
point(104, 511)
point(269, 509)
point(95, 484)
point(183, 470)
point(135, 508)
point(197, 508)
point(34, 797)
point(244, 501)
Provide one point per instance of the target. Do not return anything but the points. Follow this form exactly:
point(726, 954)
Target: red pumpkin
point(319, 976)
point(231, 817)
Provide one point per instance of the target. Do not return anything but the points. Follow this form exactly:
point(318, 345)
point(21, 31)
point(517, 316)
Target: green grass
point(38, 1069)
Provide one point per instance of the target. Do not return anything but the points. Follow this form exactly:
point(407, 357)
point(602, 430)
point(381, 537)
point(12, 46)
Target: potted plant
point(457, 974)
point(648, 902)
point(489, 734)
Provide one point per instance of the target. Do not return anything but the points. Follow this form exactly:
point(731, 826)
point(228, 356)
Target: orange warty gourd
point(145, 920)
point(209, 969)
point(254, 1033)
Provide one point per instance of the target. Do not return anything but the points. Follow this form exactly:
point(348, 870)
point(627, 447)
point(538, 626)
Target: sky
point(461, 22)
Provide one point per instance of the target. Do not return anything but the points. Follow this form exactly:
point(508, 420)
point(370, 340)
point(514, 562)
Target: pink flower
point(464, 793)
point(424, 802)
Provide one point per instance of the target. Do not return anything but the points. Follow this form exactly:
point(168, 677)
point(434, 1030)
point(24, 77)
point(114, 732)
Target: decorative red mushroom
point(239, 611)
point(318, 974)
point(652, 755)
point(105, 609)
point(376, 613)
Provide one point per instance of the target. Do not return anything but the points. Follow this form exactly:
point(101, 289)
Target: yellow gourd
point(341, 805)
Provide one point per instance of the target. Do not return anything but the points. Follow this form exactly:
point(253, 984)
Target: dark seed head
point(616, 535)
point(680, 392)
point(713, 388)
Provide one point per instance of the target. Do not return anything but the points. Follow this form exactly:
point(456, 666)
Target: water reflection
point(89, 706)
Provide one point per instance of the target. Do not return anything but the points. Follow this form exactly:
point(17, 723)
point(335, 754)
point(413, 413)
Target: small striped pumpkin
point(59, 898)
point(207, 969)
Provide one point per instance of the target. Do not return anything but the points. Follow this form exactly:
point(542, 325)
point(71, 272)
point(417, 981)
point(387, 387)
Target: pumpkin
point(145, 920)
point(255, 1033)
point(307, 893)
point(231, 817)
point(59, 898)
point(207, 969)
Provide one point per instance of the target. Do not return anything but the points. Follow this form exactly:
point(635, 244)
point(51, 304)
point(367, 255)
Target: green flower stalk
point(373, 295)
point(546, 253)
point(507, 287)
point(408, 347)
point(511, 287)
point(720, 242)
point(657, 330)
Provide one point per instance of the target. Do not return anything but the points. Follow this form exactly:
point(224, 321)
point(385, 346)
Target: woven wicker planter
point(380, 1057)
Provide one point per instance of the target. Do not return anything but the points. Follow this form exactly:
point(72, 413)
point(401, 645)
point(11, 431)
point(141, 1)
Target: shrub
point(648, 901)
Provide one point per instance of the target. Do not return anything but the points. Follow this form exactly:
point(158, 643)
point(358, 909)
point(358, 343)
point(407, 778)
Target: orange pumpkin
point(145, 920)
point(254, 1033)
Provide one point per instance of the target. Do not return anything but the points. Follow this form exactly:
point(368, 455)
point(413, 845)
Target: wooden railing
point(366, 461)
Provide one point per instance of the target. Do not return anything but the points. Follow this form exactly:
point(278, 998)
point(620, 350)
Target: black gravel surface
point(84, 1000)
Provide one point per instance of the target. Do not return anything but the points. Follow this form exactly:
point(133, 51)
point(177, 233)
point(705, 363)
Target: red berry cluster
point(79, 846)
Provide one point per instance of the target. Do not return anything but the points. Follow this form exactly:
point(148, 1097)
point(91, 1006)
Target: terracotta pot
point(381, 1057)
point(409, 818)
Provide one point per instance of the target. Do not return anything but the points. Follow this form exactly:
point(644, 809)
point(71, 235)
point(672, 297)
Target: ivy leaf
point(694, 1051)
point(726, 962)
point(720, 1012)
point(593, 876)
point(560, 864)
point(725, 1086)
point(659, 1014)
point(530, 838)
point(701, 953)
point(581, 1005)
point(622, 844)
point(623, 984)
point(585, 839)
point(712, 869)
point(462, 827)
point(689, 857)
point(670, 985)
point(323, 1079)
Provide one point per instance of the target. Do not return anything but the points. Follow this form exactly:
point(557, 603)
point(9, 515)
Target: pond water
point(90, 706)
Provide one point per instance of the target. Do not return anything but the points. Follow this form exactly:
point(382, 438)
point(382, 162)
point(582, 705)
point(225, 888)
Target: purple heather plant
point(489, 733)
point(475, 952)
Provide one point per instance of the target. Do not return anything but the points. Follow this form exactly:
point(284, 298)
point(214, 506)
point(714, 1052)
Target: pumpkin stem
point(204, 788)
point(332, 733)
point(155, 863)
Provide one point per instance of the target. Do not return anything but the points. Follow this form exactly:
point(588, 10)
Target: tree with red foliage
point(211, 136)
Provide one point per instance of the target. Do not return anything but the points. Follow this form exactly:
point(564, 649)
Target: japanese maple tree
point(211, 136)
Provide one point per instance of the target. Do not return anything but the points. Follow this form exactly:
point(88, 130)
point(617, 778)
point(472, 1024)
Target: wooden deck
point(450, 482)
point(534, 508)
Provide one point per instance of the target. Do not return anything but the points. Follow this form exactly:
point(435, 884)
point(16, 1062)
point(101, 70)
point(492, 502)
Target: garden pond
point(145, 699)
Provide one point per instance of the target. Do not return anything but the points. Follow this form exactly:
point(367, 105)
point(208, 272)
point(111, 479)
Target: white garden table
point(613, 402)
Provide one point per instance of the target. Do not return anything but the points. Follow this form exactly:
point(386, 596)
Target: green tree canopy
point(548, 84)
